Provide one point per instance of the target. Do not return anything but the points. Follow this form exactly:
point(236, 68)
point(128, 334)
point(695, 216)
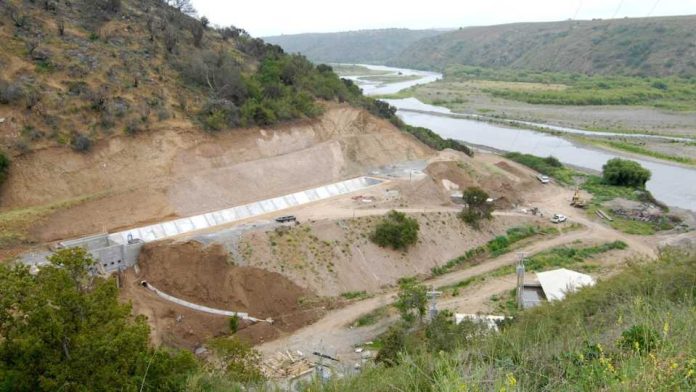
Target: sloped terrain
point(181, 172)
point(645, 46)
point(364, 46)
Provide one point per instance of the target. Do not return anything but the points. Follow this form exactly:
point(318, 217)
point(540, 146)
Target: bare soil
point(181, 171)
point(204, 275)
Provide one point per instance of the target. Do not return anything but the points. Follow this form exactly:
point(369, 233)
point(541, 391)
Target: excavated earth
point(128, 181)
point(204, 275)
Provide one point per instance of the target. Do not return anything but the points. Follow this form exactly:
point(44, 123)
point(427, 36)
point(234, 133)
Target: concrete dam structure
point(120, 250)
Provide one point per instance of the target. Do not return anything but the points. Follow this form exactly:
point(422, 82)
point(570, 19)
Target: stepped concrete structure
point(117, 251)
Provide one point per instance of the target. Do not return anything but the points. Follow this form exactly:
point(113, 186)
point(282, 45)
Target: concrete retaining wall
point(120, 250)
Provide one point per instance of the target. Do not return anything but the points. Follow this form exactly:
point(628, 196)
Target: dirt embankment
point(204, 275)
point(180, 172)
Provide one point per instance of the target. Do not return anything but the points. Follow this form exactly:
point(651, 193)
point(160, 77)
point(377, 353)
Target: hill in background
point(364, 46)
point(657, 46)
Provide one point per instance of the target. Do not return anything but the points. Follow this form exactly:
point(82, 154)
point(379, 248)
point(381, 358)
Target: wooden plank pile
point(286, 365)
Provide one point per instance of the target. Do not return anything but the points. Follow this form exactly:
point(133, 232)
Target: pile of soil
point(203, 275)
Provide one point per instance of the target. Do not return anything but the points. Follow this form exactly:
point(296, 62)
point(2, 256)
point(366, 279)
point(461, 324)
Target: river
point(671, 184)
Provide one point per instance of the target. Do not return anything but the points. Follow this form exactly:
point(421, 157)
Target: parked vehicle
point(287, 218)
point(543, 179)
point(558, 218)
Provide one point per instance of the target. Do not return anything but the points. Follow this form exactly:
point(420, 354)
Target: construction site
point(204, 241)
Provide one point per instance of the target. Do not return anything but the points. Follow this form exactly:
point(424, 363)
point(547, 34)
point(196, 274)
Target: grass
point(371, 318)
point(671, 93)
point(563, 257)
point(391, 78)
point(549, 166)
point(585, 342)
point(559, 257)
point(638, 149)
point(14, 224)
point(497, 246)
point(357, 295)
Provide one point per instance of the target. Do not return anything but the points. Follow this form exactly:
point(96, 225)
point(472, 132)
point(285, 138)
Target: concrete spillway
point(115, 251)
point(163, 230)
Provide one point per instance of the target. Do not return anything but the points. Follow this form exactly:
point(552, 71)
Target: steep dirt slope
point(179, 172)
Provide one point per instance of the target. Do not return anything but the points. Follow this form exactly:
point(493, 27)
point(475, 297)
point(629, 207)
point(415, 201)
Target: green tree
point(624, 172)
point(393, 343)
point(442, 334)
point(63, 329)
point(396, 230)
point(477, 207)
point(412, 299)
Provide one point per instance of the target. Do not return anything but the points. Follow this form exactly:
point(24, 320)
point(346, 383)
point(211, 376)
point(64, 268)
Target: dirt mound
point(510, 169)
point(203, 275)
point(500, 179)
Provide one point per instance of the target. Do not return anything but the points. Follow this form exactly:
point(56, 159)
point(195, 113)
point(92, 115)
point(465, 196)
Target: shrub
point(219, 114)
point(80, 142)
point(477, 207)
point(396, 230)
point(10, 92)
point(234, 323)
point(623, 172)
point(639, 338)
point(4, 167)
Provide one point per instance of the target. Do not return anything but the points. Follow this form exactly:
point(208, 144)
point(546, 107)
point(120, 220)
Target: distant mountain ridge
point(363, 46)
point(658, 46)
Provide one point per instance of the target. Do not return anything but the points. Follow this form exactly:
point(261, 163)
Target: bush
point(219, 114)
point(81, 143)
point(639, 338)
point(623, 172)
point(234, 323)
point(477, 207)
point(10, 92)
point(396, 230)
point(435, 141)
point(4, 167)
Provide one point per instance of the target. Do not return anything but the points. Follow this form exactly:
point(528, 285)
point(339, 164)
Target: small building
point(553, 286)
point(489, 321)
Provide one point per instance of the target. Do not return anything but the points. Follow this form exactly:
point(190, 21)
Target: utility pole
point(520, 278)
point(432, 296)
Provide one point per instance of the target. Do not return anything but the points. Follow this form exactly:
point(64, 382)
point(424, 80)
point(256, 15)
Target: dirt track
point(330, 333)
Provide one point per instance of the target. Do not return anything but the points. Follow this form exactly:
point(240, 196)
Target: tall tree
point(64, 329)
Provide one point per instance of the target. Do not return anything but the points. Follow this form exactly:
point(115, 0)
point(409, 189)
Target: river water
point(671, 184)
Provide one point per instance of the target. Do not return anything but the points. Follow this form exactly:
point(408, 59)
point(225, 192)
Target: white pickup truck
point(543, 179)
point(558, 218)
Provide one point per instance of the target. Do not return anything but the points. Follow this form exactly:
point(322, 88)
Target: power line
point(618, 9)
point(577, 11)
point(653, 7)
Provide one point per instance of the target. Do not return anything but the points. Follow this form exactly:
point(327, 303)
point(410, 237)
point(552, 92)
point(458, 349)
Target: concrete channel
point(120, 250)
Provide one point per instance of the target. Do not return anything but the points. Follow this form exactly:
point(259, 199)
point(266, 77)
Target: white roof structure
point(557, 283)
point(489, 320)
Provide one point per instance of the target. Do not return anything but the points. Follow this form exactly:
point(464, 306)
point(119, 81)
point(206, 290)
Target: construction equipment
point(577, 201)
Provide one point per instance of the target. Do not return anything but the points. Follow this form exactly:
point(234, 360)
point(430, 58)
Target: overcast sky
point(274, 17)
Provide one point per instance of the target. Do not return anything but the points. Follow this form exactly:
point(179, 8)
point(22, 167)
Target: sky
point(274, 17)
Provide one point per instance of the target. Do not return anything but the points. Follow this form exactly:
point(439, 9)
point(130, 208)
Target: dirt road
point(331, 335)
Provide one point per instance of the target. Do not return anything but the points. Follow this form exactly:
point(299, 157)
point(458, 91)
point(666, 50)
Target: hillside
point(364, 46)
point(632, 331)
point(647, 46)
point(72, 73)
